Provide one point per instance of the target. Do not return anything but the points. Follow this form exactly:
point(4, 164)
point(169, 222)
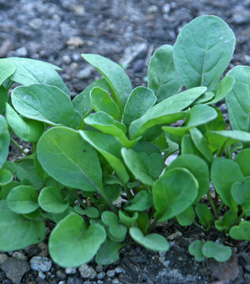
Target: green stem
point(18, 146)
point(153, 224)
point(212, 205)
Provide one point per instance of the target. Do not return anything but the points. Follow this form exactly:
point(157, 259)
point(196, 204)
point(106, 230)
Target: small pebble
point(36, 24)
point(85, 73)
point(39, 263)
point(22, 51)
point(66, 58)
point(99, 268)
point(41, 275)
point(115, 281)
point(99, 282)
point(101, 275)
point(61, 282)
point(138, 65)
point(60, 274)
point(3, 257)
point(87, 271)
point(19, 255)
point(119, 270)
point(166, 8)
point(111, 273)
point(74, 280)
point(152, 9)
point(70, 270)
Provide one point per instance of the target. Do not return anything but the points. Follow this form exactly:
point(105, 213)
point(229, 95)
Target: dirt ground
point(128, 32)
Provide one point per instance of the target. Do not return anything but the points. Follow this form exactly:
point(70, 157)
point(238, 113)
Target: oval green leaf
point(6, 70)
point(241, 232)
point(142, 201)
point(5, 177)
point(217, 251)
point(243, 160)
point(4, 140)
point(195, 249)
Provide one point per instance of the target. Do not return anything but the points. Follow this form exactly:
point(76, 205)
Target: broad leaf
point(195, 249)
point(187, 217)
point(45, 103)
point(154, 163)
point(243, 160)
point(51, 200)
point(224, 173)
point(6, 189)
point(79, 242)
point(116, 77)
point(217, 251)
point(139, 101)
point(110, 148)
point(199, 170)
point(136, 165)
point(26, 129)
point(4, 140)
point(154, 242)
point(223, 224)
point(82, 102)
point(108, 252)
point(238, 100)
point(142, 201)
point(6, 70)
point(17, 232)
point(162, 76)
point(173, 193)
point(127, 220)
point(203, 50)
point(241, 232)
point(23, 199)
point(241, 194)
point(188, 147)
point(5, 177)
point(71, 160)
point(31, 71)
point(166, 112)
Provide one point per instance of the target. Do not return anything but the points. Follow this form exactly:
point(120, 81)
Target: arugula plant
point(98, 172)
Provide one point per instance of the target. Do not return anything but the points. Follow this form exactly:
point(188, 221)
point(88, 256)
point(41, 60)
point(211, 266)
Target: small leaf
point(6, 70)
point(26, 129)
point(217, 251)
point(241, 232)
point(162, 76)
point(117, 79)
point(143, 222)
point(204, 214)
point(108, 252)
point(6, 189)
point(243, 160)
point(187, 217)
point(188, 147)
point(5, 177)
point(226, 221)
point(4, 140)
point(136, 165)
point(173, 193)
point(45, 103)
point(17, 232)
point(127, 220)
point(205, 98)
point(91, 212)
point(102, 101)
point(116, 231)
point(153, 242)
point(51, 200)
point(79, 242)
point(241, 194)
point(195, 249)
point(23, 199)
point(82, 102)
point(112, 192)
point(141, 202)
point(3, 99)
point(203, 50)
point(224, 173)
point(73, 164)
point(139, 101)
point(154, 163)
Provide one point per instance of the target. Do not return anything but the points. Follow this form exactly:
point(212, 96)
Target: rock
point(44, 249)
point(166, 8)
point(36, 23)
point(79, 10)
point(15, 269)
point(111, 273)
point(22, 51)
point(75, 42)
point(74, 280)
point(119, 270)
point(39, 263)
point(85, 73)
point(152, 9)
point(132, 52)
point(2, 275)
point(5, 47)
point(32, 250)
point(66, 59)
point(19, 255)
point(87, 271)
point(3, 258)
point(116, 281)
point(176, 234)
point(101, 275)
point(138, 65)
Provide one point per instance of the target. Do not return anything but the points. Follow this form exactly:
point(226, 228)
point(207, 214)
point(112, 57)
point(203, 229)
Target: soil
point(126, 31)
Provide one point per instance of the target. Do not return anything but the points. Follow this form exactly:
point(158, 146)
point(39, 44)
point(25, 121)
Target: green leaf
point(17, 232)
point(187, 217)
point(31, 71)
point(69, 159)
point(3, 99)
point(238, 100)
point(5, 177)
point(57, 217)
point(216, 124)
point(220, 140)
point(82, 102)
point(72, 243)
point(26, 129)
point(154, 163)
point(4, 140)
point(241, 194)
point(224, 173)
point(110, 148)
point(173, 193)
point(142, 201)
point(117, 79)
point(106, 124)
point(224, 87)
point(203, 50)
point(6, 70)
point(108, 252)
point(165, 112)
point(91, 212)
point(45, 103)
point(112, 192)
point(217, 251)
point(127, 220)
point(201, 144)
point(139, 101)
point(241, 232)
point(136, 165)
point(223, 224)
point(10, 166)
point(23, 199)
point(205, 98)
point(243, 160)
point(204, 214)
point(116, 231)
point(143, 222)
point(51, 200)
point(162, 76)
point(153, 242)
point(25, 172)
point(6, 189)
point(195, 249)
point(188, 147)
point(199, 170)
point(101, 101)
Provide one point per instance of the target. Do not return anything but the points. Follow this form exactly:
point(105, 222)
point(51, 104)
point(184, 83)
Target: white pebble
point(70, 270)
point(40, 263)
point(87, 271)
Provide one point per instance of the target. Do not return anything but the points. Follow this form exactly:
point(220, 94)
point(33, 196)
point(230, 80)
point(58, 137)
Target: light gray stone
point(40, 263)
point(70, 270)
point(87, 272)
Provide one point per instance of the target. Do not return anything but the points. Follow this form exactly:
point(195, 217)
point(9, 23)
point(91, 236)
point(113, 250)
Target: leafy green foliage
point(99, 169)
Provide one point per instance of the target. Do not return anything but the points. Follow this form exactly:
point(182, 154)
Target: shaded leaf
point(108, 252)
point(241, 232)
point(4, 140)
point(217, 251)
point(187, 217)
point(243, 160)
point(142, 201)
point(6, 70)
point(204, 214)
point(195, 249)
